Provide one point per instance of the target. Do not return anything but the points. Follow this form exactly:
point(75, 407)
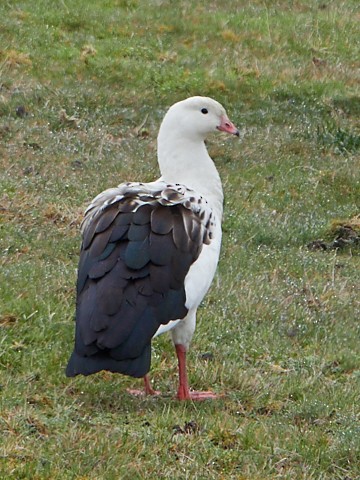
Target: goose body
point(150, 251)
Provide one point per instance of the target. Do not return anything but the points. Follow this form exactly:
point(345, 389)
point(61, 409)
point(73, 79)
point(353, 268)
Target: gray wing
point(138, 246)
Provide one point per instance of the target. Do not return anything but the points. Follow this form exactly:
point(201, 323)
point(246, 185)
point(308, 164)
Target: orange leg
point(148, 388)
point(184, 392)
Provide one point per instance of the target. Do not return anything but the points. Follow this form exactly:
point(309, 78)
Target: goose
point(149, 253)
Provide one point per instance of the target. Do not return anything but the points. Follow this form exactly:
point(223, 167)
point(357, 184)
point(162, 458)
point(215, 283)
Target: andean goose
point(150, 251)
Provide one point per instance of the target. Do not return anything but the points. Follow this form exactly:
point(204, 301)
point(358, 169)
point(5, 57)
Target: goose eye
point(204, 111)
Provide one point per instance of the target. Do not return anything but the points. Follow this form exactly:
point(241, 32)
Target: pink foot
point(148, 390)
point(199, 396)
point(142, 393)
point(185, 394)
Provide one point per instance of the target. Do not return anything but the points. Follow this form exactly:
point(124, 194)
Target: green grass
point(281, 322)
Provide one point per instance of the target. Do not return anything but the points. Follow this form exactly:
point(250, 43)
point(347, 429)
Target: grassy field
point(83, 88)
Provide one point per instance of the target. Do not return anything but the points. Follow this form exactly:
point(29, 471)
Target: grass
point(279, 330)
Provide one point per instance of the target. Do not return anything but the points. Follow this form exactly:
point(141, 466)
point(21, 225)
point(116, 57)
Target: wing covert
point(139, 242)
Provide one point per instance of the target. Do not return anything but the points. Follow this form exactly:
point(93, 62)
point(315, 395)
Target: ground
point(83, 88)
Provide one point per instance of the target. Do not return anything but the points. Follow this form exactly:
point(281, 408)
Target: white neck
point(187, 161)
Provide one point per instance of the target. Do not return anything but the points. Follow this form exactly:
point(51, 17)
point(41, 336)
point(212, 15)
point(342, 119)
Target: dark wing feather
point(132, 268)
point(162, 248)
point(142, 215)
point(160, 278)
point(106, 219)
point(118, 232)
point(137, 254)
point(138, 232)
point(161, 220)
point(105, 262)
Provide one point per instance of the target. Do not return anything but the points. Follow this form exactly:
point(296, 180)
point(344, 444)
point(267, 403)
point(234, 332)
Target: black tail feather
point(134, 367)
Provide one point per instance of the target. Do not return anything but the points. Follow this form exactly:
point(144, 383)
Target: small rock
point(188, 429)
point(207, 356)
point(317, 245)
point(21, 111)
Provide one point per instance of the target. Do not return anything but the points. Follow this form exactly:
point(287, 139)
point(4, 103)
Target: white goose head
point(195, 118)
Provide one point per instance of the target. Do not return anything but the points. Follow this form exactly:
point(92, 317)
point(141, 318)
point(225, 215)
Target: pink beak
point(227, 126)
